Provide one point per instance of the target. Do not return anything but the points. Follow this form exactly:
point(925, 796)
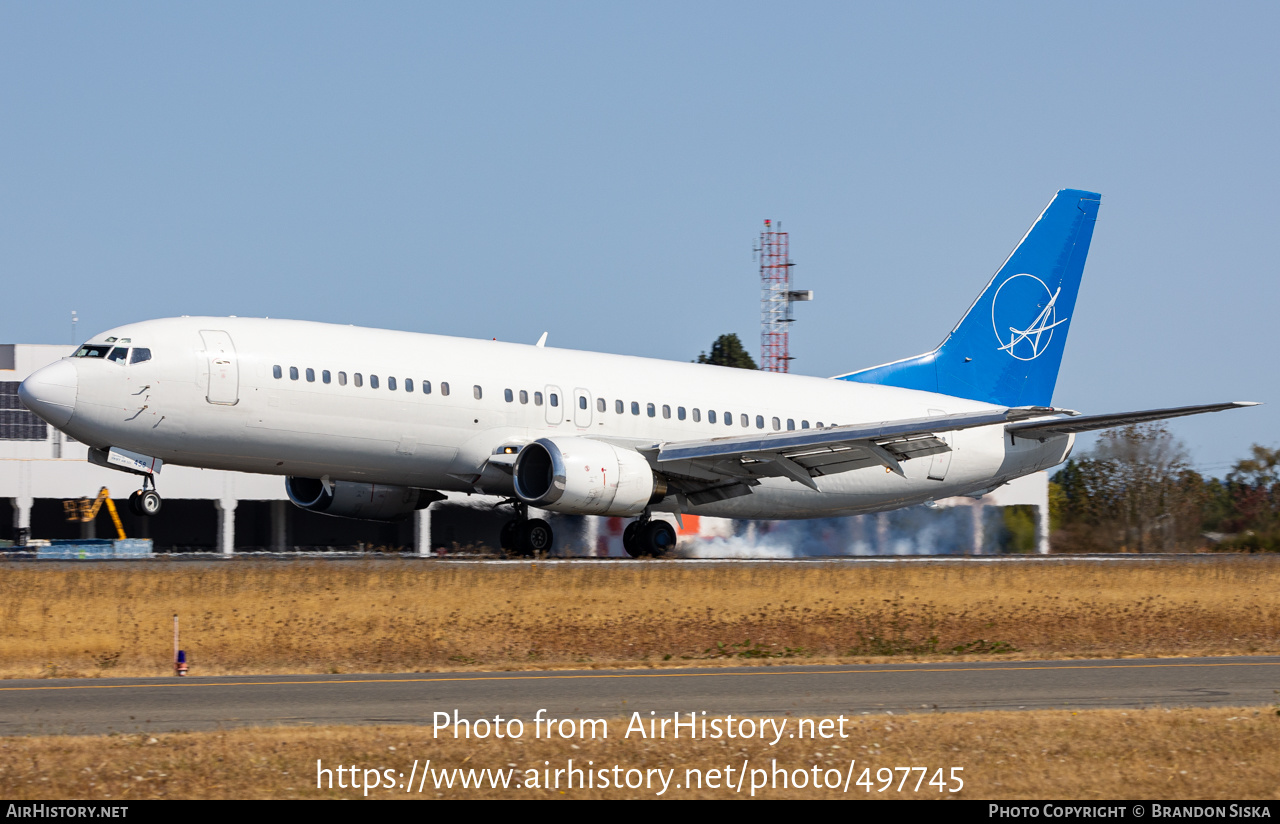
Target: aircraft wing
point(1089, 423)
point(718, 468)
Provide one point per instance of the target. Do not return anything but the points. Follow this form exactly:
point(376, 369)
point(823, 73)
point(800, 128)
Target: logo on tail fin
point(1023, 294)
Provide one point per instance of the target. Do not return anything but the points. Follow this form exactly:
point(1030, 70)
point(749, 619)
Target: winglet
point(542, 341)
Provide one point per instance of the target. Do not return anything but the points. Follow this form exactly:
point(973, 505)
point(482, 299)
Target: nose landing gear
point(145, 502)
point(524, 537)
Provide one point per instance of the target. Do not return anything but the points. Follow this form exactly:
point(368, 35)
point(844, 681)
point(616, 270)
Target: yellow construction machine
point(85, 510)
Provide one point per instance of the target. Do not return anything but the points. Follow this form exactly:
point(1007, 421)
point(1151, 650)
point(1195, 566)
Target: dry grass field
point(1102, 754)
point(248, 616)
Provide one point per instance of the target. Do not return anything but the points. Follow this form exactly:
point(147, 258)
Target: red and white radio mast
point(776, 299)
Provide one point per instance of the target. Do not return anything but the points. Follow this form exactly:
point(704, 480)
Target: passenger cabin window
point(524, 396)
point(342, 379)
point(119, 354)
point(744, 419)
point(477, 392)
point(804, 424)
point(582, 401)
point(408, 384)
point(711, 416)
point(617, 407)
point(666, 411)
point(444, 388)
point(601, 405)
point(650, 410)
point(508, 395)
point(426, 387)
point(93, 351)
point(791, 424)
point(635, 408)
point(555, 399)
point(680, 412)
point(277, 372)
point(537, 399)
point(358, 379)
point(760, 421)
point(391, 384)
point(326, 376)
point(819, 424)
point(777, 424)
point(140, 355)
point(728, 419)
point(697, 415)
point(293, 373)
point(311, 375)
point(373, 381)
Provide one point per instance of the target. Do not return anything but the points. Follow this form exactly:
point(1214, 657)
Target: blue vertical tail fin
point(1007, 348)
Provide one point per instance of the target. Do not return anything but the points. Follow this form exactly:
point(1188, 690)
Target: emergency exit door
point(555, 405)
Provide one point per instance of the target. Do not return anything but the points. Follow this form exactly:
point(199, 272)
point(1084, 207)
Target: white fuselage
point(209, 397)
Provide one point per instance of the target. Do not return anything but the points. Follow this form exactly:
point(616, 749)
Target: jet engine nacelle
point(346, 499)
point(585, 477)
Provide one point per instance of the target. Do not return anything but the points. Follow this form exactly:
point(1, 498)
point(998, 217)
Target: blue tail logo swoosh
point(1029, 314)
point(1008, 306)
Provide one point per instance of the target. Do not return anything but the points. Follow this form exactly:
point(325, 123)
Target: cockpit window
point(93, 351)
point(119, 354)
point(139, 355)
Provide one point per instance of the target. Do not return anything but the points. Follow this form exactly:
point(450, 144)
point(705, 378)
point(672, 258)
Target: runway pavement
point(92, 706)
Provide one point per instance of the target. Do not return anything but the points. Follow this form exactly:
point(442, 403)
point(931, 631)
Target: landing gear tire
point(629, 539)
point(535, 536)
point(510, 535)
point(133, 503)
point(648, 538)
point(657, 538)
point(149, 503)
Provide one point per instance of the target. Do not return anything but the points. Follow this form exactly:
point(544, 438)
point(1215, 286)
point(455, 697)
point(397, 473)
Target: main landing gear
point(648, 537)
point(525, 538)
point(145, 502)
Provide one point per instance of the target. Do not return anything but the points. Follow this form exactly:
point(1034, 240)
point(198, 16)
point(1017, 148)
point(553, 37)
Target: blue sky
point(600, 171)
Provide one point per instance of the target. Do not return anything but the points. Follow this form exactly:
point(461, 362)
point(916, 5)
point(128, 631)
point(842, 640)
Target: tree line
point(1136, 492)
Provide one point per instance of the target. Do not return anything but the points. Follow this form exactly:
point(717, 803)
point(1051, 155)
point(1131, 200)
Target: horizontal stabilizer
point(1090, 423)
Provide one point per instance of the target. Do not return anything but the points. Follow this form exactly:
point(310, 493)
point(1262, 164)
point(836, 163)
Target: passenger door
point(224, 371)
point(942, 461)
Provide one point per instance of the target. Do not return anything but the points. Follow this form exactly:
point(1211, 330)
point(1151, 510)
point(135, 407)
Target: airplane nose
point(51, 392)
